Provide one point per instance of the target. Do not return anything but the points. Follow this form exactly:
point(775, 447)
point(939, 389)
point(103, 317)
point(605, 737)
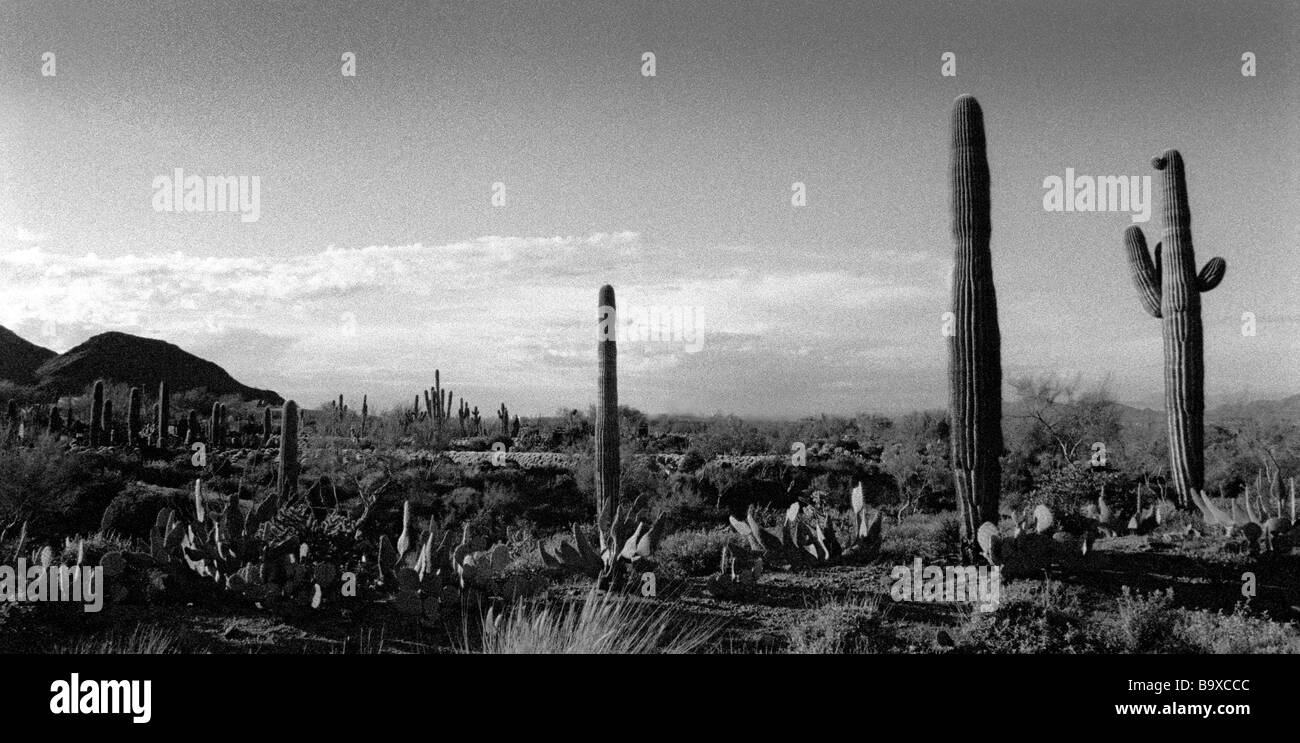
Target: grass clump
point(601, 624)
point(846, 626)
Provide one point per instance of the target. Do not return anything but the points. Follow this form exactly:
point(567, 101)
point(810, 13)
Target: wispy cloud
point(504, 312)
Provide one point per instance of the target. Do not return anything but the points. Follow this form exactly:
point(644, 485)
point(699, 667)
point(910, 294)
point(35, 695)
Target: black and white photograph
point(623, 327)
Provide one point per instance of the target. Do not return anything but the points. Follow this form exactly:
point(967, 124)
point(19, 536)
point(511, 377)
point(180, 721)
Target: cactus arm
point(1145, 273)
point(1211, 274)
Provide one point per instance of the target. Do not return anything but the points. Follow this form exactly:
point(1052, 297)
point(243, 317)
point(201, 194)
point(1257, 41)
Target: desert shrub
point(1032, 619)
point(1239, 632)
point(600, 624)
point(502, 506)
point(692, 461)
point(1150, 623)
point(52, 489)
point(853, 625)
point(745, 491)
point(638, 480)
point(693, 553)
point(459, 505)
point(934, 538)
point(686, 506)
point(133, 511)
point(1069, 491)
point(553, 500)
point(168, 474)
point(16, 622)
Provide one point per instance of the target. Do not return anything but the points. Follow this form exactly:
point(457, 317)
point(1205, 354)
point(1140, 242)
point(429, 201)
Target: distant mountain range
point(117, 357)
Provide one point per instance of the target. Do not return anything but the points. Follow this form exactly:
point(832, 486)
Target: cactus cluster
point(431, 570)
point(1036, 544)
point(807, 536)
point(1251, 522)
point(439, 402)
point(624, 549)
point(218, 426)
point(264, 554)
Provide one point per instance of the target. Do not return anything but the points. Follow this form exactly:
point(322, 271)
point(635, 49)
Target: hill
point(144, 362)
point(19, 359)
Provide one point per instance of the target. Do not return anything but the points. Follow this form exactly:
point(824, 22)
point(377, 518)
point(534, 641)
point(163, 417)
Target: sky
point(378, 253)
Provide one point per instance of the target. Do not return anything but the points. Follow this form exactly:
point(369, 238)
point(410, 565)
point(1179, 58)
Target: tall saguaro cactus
point(1170, 290)
point(974, 348)
point(106, 431)
point(607, 464)
point(164, 413)
point(133, 417)
point(287, 477)
point(97, 413)
point(214, 425)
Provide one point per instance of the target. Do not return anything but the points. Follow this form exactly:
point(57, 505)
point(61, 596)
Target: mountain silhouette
point(19, 359)
point(118, 357)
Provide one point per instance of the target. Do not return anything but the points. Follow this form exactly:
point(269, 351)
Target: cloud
point(501, 311)
point(16, 233)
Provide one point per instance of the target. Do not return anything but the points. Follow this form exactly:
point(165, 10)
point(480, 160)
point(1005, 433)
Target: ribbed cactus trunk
point(365, 413)
point(287, 479)
point(1170, 289)
point(607, 464)
point(214, 425)
point(267, 425)
point(106, 429)
point(974, 348)
point(133, 417)
point(97, 414)
point(164, 414)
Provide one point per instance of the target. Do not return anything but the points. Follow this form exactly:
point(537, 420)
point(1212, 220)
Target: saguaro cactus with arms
point(1170, 290)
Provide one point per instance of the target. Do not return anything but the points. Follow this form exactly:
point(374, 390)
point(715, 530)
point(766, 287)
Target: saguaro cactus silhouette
point(214, 425)
point(164, 414)
point(106, 428)
point(133, 417)
point(97, 413)
point(607, 464)
point(1170, 290)
point(974, 348)
point(287, 477)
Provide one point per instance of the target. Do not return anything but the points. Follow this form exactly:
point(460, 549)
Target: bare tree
point(1065, 416)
